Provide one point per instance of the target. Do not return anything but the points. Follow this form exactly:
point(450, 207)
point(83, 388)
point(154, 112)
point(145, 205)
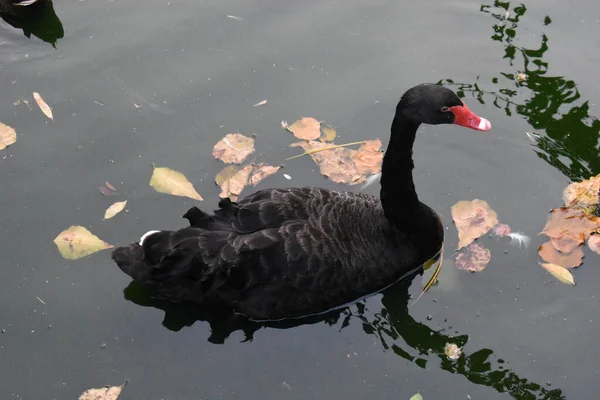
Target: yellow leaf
point(77, 242)
point(169, 181)
point(226, 173)
point(328, 134)
point(7, 136)
point(417, 397)
point(43, 106)
point(105, 393)
point(233, 186)
point(115, 209)
point(560, 273)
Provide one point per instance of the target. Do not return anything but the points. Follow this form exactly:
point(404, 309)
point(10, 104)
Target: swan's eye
point(445, 109)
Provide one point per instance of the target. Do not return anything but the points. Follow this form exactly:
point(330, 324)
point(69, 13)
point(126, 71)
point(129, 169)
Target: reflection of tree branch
point(571, 137)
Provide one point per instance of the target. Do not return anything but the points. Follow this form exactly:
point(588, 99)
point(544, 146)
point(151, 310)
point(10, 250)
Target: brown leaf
point(105, 393)
point(594, 243)
point(553, 256)
point(233, 186)
point(344, 165)
point(43, 106)
point(115, 209)
point(233, 148)
point(169, 181)
point(472, 219)
point(328, 134)
point(306, 128)
point(77, 242)
point(568, 228)
point(107, 189)
point(583, 195)
point(473, 258)
point(369, 157)
point(7, 136)
point(262, 171)
point(560, 273)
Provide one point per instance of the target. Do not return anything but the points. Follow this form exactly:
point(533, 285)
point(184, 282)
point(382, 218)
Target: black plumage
point(285, 253)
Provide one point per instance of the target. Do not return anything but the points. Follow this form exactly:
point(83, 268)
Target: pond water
point(153, 81)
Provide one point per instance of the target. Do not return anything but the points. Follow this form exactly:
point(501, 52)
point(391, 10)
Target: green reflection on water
point(567, 136)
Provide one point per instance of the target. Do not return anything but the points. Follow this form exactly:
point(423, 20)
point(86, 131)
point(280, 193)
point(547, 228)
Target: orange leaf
point(583, 195)
point(551, 255)
point(568, 228)
point(43, 106)
point(472, 219)
point(262, 171)
point(306, 128)
point(594, 243)
point(233, 148)
point(7, 136)
point(233, 186)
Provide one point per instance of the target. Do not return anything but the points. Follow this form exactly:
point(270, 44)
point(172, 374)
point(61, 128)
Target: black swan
point(287, 253)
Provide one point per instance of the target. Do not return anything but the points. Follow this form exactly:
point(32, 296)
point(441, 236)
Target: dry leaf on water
point(305, 128)
point(473, 258)
point(232, 179)
point(594, 243)
point(568, 228)
point(328, 134)
point(43, 106)
point(105, 393)
point(233, 186)
point(453, 352)
point(233, 148)
point(77, 242)
point(260, 103)
point(566, 260)
point(107, 189)
point(560, 273)
point(472, 219)
point(583, 195)
point(115, 209)
point(169, 181)
point(7, 136)
point(344, 165)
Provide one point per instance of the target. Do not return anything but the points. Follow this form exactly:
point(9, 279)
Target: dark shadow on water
point(41, 22)
point(564, 134)
point(393, 325)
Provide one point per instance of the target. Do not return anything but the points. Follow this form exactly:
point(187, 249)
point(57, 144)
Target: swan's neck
point(399, 199)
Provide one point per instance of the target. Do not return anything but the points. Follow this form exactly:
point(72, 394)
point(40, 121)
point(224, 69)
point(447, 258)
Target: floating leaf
point(233, 186)
point(328, 134)
point(262, 171)
point(453, 352)
point(583, 195)
point(343, 165)
point(107, 189)
point(115, 209)
point(306, 128)
point(233, 148)
point(502, 230)
point(43, 106)
point(568, 228)
point(105, 393)
point(169, 181)
point(553, 256)
point(473, 258)
point(594, 243)
point(226, 173)
point(560, 273)
point(260, 103)
point(77, 242)
point(473, 219)
point(7, 136)
point(416, 397)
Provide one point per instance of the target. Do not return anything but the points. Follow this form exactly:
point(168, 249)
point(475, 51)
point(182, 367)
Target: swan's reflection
point(393, 325)
point(41, 22)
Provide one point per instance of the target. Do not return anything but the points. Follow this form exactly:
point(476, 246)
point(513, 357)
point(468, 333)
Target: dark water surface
point(196, 73)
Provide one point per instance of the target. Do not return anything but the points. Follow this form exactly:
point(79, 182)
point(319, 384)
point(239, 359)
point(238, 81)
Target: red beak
point(467, 118)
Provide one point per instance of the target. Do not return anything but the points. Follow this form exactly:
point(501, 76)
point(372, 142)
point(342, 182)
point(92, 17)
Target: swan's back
point(277, 253)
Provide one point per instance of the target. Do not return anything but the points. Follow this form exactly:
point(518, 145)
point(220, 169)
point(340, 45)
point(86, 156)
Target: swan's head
point(434, 104)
